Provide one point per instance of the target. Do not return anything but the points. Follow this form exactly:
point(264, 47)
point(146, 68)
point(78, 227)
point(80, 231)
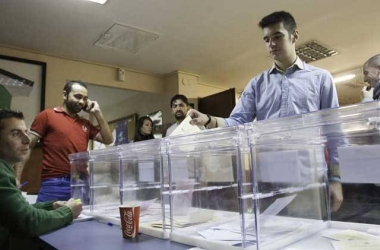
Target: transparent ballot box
point(290, 189)
point(352, 133)
point(353, 142)
point(95, 180)
point(223, 196)
point(142, 181)
point(127, 174)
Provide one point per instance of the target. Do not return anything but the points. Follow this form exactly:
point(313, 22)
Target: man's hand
point(76, 207)
point(92, 107)
point(59, 204)
point(366, 95)
point(197, 118)
point(336, 195)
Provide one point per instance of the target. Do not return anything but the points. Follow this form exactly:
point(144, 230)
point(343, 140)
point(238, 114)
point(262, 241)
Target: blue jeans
point(55, 189)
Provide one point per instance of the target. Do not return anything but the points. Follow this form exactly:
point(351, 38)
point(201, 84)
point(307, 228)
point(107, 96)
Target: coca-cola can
point(130, 215)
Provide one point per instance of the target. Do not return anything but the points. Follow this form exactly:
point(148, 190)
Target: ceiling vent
point(126, 38)
point(314, 51)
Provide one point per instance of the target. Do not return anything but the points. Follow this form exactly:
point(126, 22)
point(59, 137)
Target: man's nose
point(25, 138)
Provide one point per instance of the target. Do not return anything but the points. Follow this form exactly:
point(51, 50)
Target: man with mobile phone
point(371, 71)
point(62, 132)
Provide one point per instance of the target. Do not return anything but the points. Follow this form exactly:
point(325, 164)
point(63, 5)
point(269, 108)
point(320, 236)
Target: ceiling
point(216, 39)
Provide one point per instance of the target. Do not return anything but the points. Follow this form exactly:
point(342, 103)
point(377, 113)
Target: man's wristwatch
point(209, 120)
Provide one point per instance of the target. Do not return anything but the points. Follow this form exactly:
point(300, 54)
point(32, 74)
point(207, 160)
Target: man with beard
point(180, 106)
point(63, 132)
point(371, 71)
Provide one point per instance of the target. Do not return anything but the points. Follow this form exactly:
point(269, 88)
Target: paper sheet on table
point(144, 205)
point(356, 245)
point(273, 209)
point(186, 221)
point(185, 127)
point(83, 217)
point(222, 235)
point(350, 235)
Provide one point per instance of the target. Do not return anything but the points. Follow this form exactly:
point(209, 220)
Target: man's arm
point(105, 135)
point(33, 140)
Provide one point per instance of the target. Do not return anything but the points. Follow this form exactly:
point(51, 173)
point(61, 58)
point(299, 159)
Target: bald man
point(371, 71)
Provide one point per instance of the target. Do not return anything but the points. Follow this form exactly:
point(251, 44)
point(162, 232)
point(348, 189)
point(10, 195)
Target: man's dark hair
point(279, 17)
point(8, 113)
point(179, 97)
point(69, 84)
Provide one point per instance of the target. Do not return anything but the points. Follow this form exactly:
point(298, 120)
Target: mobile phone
point(88, 108)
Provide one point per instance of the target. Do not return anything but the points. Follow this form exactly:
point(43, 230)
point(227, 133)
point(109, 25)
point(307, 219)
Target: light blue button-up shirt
point(274, 94)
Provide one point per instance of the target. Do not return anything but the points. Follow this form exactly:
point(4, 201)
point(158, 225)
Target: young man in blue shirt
point(288, 88)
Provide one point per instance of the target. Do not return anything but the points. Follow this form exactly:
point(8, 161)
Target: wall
point(142, 104)
point(59, 70)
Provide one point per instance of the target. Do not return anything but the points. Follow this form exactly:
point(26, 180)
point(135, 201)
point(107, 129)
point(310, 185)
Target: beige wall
point(204, 89)
point(142, 104)
point(59, 70)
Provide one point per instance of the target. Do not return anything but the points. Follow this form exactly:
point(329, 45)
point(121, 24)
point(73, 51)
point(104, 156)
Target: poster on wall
point(122, 129)
point(121, 132)
point(22, 86)
point(157, 123)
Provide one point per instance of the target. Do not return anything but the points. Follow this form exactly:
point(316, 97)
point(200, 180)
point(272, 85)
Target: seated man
point(17, 218)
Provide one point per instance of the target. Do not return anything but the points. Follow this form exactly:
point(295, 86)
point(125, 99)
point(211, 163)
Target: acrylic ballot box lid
point(141, 149)
point(105, 154)
point(324, 117)
point(213, 139)
point(81, 156)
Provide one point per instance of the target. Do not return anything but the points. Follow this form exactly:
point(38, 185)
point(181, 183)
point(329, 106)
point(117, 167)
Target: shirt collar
point(297, 63)
point(60, 110)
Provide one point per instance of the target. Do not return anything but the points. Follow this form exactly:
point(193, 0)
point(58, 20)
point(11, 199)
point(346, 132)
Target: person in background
point(63, 132)
point(144, 129)
point(180, 106)
point(371, 71)
point(288, 88)
point(18, 219)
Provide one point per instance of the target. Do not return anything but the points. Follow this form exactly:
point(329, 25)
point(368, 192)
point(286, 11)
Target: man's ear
point(295, 36)
point(64, 95)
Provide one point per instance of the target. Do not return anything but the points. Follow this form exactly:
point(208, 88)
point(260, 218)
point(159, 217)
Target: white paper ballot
point(351, 235)
point(356, 245)
point(185, 128)
point(274, 209)
point(360, 164)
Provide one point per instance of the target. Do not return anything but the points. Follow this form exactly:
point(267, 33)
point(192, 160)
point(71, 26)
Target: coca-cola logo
point(129, 225)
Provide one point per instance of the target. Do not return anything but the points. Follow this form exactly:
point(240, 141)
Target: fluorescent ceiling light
point(344, 78)
point(98, 1)
point(313, 51)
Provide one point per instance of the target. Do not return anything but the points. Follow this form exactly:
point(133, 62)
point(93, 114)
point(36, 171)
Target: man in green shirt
point(18, 219)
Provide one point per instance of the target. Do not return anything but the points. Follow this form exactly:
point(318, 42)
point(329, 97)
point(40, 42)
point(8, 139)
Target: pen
point(23, 184)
